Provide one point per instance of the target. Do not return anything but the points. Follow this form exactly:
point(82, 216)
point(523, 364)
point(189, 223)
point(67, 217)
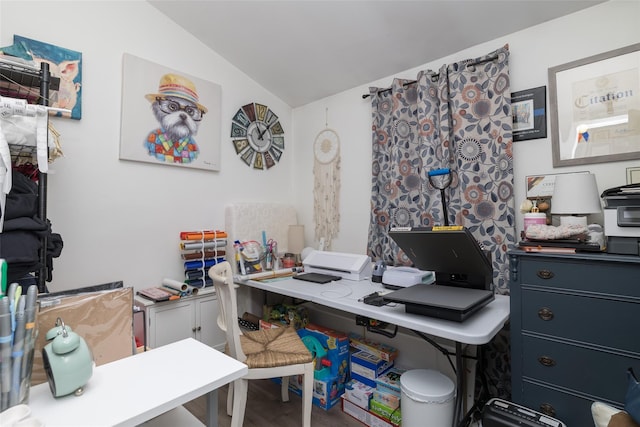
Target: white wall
point(121, 220)
point(595, 30)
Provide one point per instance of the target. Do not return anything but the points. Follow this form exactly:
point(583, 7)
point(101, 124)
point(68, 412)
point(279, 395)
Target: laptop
point(463, 272)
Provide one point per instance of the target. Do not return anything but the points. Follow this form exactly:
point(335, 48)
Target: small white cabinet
point(189, 317)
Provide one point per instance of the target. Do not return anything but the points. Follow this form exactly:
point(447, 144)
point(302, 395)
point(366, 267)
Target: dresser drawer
point(591, 371)
point(571, 409)
point(610, 277)
point(593, 319)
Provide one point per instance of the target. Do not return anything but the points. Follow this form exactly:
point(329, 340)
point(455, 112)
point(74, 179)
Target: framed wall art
point(529, 111)
point(169, 117)
point(595, 108)
point(65, 64)
point(540, 186)
point(633, 175)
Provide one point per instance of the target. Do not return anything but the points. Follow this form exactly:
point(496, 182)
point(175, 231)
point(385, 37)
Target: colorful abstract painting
point(65, 64)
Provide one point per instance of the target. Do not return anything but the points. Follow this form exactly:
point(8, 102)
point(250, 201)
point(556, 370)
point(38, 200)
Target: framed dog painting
point(169, 117)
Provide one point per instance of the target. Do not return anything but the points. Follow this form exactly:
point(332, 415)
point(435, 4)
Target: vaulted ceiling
point(306, 50)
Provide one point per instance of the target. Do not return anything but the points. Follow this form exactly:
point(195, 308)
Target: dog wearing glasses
point(177, 109)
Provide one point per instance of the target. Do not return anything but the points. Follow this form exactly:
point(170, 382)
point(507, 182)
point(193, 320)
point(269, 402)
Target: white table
point(346, 295)
point(135, 389)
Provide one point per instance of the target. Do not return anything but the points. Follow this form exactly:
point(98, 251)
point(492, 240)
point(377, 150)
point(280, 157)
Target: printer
point(402, 277)
point(622, 219)
point(463, 272)
point(344, 265)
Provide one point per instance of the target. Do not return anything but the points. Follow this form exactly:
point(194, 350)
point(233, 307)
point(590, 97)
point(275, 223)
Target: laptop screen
point(451, 252)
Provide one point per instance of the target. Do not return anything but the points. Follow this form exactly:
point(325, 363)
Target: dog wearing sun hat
point(177, 109)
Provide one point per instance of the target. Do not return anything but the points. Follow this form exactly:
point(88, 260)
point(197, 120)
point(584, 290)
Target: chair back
point(222, 276)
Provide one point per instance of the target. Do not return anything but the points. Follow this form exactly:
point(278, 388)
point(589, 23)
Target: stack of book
point(200, 250)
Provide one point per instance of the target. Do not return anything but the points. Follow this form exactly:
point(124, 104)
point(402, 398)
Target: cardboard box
point(103, 318)
point(390, 380)
point(263, 324)
point(358, 393)
point(366, 367)
point(332, 367)
point(383, 351)
point(386, 397)
point(365, 417)
point(390, 414)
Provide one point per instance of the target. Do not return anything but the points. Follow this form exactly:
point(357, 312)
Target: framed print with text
point(595, 108)
point(529, 111)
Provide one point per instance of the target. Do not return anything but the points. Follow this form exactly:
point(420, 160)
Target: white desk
point(132, 390)
point(345, 295)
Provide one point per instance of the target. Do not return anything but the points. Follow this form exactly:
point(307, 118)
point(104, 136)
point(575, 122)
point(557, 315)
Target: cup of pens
point(18, 333)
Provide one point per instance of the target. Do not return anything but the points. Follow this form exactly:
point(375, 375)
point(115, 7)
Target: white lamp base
point(573, 220)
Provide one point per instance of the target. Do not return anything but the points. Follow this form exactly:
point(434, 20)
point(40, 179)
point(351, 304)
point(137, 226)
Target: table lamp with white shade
point(575, 195)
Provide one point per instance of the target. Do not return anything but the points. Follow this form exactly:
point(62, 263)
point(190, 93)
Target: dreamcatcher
point(326, 186)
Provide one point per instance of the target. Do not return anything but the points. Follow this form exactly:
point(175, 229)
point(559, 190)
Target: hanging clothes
point(21, 237)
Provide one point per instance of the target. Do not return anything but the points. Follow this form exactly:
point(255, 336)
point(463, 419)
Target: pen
point(5, 353)
point(3, 284)
point(30, 330)
point(12, 308)
point(17, 353)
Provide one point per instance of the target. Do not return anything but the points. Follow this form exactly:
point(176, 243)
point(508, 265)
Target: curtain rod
point(470, 63)
point(366, 95)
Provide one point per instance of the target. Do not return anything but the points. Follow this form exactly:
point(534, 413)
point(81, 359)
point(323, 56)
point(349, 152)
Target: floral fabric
point(458, 118)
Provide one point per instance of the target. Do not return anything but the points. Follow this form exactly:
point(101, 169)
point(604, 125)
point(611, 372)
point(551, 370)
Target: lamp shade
point(575, 194)
point(295, 241)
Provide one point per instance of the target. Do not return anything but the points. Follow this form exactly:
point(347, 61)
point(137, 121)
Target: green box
point(385, 412)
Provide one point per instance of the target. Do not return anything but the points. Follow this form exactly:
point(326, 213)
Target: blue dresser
point(575, 329)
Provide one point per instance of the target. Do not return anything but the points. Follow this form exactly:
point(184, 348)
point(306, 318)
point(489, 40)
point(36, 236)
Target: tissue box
point(387, 397)
point(366, 367)
point(358, 393)
point(386, 412)
point(367, 418)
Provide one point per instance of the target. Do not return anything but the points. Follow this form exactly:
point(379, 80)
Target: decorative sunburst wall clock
point(257, 136)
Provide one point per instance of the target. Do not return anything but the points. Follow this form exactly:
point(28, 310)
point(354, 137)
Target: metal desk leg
point(457, 410)
point(212, 408)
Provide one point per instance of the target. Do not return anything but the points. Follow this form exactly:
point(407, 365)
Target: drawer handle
point(546, 361)
point(545, 274)
point(548, 409)
point(545, 314)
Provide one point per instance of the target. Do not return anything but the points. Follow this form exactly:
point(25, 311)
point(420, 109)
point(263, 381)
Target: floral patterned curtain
point(458, 118)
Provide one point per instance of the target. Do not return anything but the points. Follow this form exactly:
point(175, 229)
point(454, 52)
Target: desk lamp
point(67, 360)
point(575, 195)
point(295, 242)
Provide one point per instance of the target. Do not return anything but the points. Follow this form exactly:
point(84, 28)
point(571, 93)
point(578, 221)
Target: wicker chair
point(269, 353)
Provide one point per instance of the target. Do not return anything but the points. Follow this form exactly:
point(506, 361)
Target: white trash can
point(428, 398)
